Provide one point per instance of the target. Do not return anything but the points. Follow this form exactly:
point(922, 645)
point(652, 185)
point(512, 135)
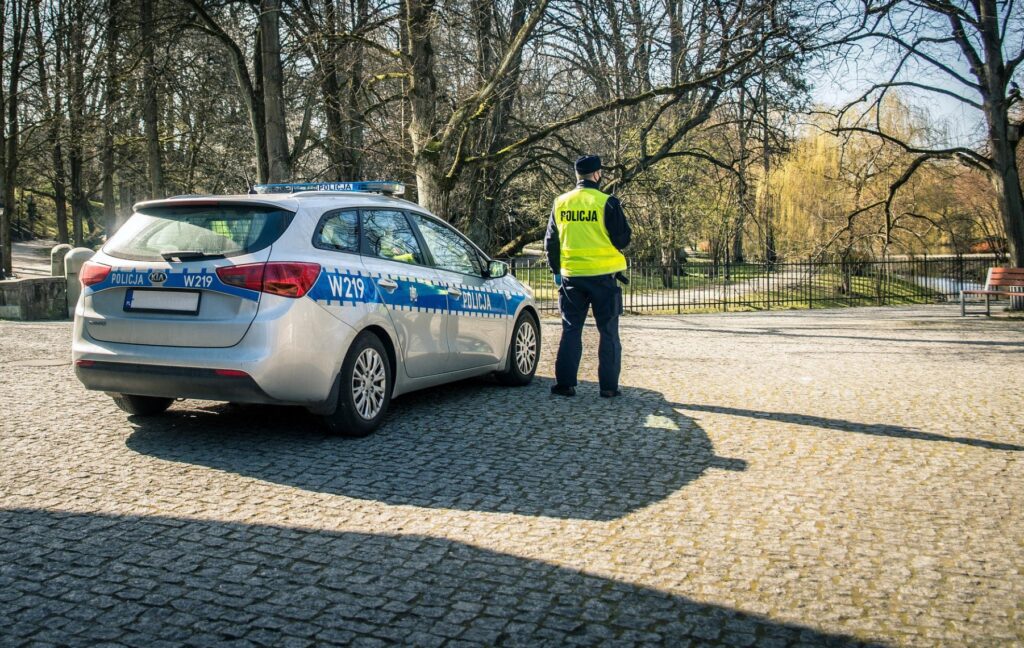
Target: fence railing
point(704, 286)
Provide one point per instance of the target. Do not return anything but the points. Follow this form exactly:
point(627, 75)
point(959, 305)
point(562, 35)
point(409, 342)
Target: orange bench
point(998, 282)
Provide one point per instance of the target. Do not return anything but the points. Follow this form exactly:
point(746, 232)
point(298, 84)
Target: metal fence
point(704, 286)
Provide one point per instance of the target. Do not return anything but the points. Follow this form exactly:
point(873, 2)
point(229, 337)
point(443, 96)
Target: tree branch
point(958, 152)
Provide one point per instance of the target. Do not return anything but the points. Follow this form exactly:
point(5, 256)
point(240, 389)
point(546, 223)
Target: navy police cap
point(587, 164)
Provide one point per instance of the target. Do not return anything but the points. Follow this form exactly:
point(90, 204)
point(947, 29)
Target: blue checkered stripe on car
point(345, 288)
point(202, 280)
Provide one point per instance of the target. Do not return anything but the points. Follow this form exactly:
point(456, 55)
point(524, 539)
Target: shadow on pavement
point(876, 429)
point(83, 579)
point(469, 446)
point(821, 334)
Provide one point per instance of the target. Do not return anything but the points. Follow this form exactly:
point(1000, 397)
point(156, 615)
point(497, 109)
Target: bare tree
point(250, 85)
point(52, 100)
point(17, 13)
point(482, 104)
point(278, 155)
point(926, 38)
point(111, 97)
point(78, 47)
point(150, 101)
point(439, 145)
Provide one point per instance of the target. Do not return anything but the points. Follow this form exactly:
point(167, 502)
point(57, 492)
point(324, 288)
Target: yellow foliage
point(829, 192)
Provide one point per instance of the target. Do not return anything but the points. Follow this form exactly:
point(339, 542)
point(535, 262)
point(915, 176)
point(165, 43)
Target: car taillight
point(230, 373)
point(93, 273)
point(248, 276)
point(290, 279)
point(285, 278)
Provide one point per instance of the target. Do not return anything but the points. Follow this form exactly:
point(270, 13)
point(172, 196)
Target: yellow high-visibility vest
point(585, 249)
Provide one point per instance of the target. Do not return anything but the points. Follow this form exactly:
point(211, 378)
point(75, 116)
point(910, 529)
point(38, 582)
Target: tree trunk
point(1006, 180)
point(330, 89)
point(150, 108)
point(76, 117)
point(60, 192)
point(256, 104)
point(431, 192)
point(54, 113)
point(482, 216)
point(5, 209)
point(1002, 140)
point(335, 123)
point(771, 256)
point(676, 39)
point(743, 186)
point(79, 205)
point(416, 20)
point(341, 112)
point(479, 215)
point(5, 218)
point(666, 250)
point(9, 162)
point(273, 92)
point(124, 197)
point(355, 117)
point(1004, 174)
point(110, 101)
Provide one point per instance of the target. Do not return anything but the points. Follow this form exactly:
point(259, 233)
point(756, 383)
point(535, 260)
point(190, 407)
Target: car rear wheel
point(141, 405)
point(523, 352)
point(365, 389)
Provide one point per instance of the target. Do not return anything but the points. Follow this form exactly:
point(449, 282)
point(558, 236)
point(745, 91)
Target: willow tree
point(848, 194)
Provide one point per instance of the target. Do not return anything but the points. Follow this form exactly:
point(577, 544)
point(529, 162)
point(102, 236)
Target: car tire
point(364, 391)
point(523, 352)
point(141, 405)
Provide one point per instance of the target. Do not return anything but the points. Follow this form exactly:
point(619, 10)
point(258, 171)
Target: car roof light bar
point(385, 187)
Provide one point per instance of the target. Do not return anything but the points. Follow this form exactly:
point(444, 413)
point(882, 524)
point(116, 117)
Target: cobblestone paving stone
point(766, 479)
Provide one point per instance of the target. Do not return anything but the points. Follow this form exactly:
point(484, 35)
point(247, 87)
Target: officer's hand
point(558, 280)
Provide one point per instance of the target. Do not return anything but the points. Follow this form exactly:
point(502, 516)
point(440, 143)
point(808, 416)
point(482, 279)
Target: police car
point(337, 297)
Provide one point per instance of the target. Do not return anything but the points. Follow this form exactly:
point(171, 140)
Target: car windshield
point(187, 232)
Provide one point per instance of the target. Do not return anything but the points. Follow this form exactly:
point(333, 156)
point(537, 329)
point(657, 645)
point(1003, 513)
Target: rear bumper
point(177, 382)
point(292, 354)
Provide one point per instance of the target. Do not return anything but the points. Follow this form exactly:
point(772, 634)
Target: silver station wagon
point(336, 297)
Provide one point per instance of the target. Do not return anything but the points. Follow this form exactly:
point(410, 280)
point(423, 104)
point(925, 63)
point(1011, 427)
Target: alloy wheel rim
point(526, 348)
point(369, 383)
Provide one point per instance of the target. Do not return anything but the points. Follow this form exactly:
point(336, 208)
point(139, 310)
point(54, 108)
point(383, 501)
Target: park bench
point(1000, 281)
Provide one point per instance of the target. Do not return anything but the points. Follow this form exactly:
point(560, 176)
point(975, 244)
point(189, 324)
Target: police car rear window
point(198, 231)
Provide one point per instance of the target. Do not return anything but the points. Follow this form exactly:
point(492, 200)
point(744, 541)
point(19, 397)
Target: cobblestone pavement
point(771, 479)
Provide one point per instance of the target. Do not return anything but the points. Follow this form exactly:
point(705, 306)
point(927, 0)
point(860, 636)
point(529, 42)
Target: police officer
point(585, 238)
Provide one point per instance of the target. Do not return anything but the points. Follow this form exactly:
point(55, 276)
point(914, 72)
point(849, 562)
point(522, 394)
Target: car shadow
point(473, 446)
point(85, 579)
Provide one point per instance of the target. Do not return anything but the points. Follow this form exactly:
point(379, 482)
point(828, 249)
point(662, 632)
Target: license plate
point(181, 302)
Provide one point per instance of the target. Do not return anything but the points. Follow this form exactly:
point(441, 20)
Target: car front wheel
point(523, 352)
point(365, 389)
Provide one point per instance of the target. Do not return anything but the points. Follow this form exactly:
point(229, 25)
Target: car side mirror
point(497, 269)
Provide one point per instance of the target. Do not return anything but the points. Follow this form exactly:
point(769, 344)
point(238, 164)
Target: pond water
point(946, 285)
point(952, 287)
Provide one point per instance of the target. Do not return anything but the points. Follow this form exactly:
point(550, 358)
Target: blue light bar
point(371, 186)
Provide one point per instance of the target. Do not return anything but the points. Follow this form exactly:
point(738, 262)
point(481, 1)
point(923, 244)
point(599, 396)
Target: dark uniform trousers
point(575, 298)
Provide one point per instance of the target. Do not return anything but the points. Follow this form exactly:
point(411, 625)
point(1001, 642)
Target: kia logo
point(157, 277)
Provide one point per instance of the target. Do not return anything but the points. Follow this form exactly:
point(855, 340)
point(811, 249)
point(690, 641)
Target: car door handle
point(387, 284)
point(454, 292)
